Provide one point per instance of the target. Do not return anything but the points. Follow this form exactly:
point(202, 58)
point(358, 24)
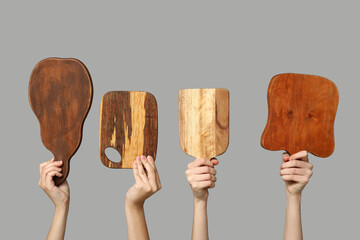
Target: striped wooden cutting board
point(129, 124)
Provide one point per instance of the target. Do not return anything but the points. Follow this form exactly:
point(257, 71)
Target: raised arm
point(147, 182)
point(201, 176)
point(59, 195)
point(295, 171)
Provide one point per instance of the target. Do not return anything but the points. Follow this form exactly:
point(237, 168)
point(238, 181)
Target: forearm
point(200, 222)
point(58, 225)
point(136, 223)
point(293, 228)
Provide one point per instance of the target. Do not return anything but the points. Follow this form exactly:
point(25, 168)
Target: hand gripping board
point(301, 114)
point(129, 124)
point(60, 94)
point(204, 122)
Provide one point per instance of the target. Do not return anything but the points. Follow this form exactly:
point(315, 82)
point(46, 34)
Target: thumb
point(214, 161)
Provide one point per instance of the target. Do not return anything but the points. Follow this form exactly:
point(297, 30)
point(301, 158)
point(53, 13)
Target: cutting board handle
point(106, 161)
point(65, 171)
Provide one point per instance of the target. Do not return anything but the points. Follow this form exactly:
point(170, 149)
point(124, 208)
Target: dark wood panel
point(129, 124)
point(60, 94)
point(302, 110)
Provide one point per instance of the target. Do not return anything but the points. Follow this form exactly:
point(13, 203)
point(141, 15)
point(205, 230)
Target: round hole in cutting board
point(112, 154)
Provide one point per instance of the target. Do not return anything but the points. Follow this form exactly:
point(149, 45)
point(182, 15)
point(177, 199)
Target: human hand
point(59, 195)
point(147, 181)
point(201, 176)
point(296, 171)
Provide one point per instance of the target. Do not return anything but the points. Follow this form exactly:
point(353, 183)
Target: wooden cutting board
point(60, 94)
point(204, 122)
point(301, 115)
point(129, 124)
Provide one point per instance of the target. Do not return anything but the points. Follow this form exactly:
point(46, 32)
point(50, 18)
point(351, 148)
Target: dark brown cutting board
point(301, 114)
point(129, 124)
point(204, 122)
point(60, 94)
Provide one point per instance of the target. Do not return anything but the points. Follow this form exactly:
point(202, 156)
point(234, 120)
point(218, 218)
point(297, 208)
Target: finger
point(296, 163)
point(205, 184)
point(52, 165)
point(302, 155)
point(50, 179)
point(203, 177)
point(285, 156)
point(44, 164)
point(51, 169)
point(151, 161)
point(214, 161)
point(149, 168)
point(150, 171)
point(295, 178)
point(142, 171)
point(136, 171)
point(158, 182)
point(294, 171)
point(202, 170)
point(200, 162)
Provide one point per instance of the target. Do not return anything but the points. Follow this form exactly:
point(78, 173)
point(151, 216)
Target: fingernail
point(143, 158)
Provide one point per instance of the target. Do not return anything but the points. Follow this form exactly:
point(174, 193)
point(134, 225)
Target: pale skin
point(147, 182)
point(59, 195)
point(201, 176)
point(296, 171)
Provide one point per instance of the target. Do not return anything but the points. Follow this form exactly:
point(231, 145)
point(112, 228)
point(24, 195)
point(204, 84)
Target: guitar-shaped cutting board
point(301, 115)
point(129, 124)
point(60, 94)
point(204, 122)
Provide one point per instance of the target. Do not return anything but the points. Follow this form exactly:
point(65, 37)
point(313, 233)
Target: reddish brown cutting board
point(301, 115)
point(204, 122)
point(60, 94)
point(129, 124)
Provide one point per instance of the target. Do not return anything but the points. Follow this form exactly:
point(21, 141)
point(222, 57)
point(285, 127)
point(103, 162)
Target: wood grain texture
point(204, 122)
point(129, 124)
point(60, 94)
point(302, 110)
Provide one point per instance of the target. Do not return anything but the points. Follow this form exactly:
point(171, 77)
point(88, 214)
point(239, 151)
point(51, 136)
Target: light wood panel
point(60, 94)
point(204, 122)
point(129, 124)
point(302, 110)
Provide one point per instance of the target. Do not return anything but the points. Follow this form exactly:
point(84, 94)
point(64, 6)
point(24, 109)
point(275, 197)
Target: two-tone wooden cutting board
point(60, 94)
point(129, 124)
point(302, 110)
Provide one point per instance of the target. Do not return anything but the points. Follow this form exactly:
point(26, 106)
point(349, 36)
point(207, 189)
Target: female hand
point(201, 176)
point(59, 195)
point(147, 181)
point(296, 171)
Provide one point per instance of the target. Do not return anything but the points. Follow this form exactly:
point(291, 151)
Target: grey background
point(161, 47)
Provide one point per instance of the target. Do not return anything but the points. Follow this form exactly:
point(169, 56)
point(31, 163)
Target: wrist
point(200, 195)
point(293, 197)
point(200, 200)
point(129, 204)
point(62, 203)
point(62, 208)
